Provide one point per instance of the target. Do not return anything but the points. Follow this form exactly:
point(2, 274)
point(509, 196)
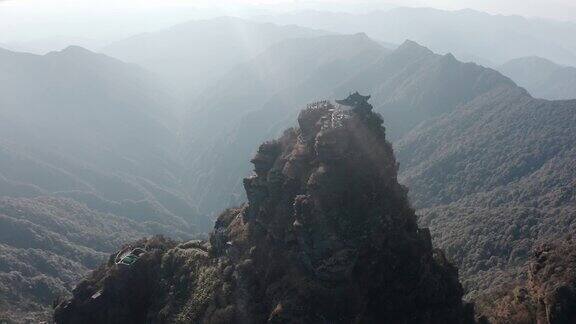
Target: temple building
point(358, 102)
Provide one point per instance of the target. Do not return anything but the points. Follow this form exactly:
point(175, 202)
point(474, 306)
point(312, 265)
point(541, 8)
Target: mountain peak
point(449, 58)
point(75, 49)
point(72, 51)
point(413, 47)
point(327, 235)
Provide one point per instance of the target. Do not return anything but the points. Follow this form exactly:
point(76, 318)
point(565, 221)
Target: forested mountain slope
point(548, 295)
point(47, 245)
point(493, 178)
point(87, 162)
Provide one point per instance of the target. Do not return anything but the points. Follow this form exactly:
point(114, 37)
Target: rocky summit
point(327, 236)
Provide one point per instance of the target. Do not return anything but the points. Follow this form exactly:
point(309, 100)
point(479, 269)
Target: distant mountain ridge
point(408, 85)
point(87, 162)
point(465, 33)
point(543, 78)
point(413, 84)
point(80, 124)
point(192, 55)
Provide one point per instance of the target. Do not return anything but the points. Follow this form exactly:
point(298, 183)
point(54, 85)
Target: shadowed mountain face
point(543, 78)
point(327, 236)
point(466, 33)
point(193, 55)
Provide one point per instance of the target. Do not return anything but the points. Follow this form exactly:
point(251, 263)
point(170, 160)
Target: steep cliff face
point(327, 236)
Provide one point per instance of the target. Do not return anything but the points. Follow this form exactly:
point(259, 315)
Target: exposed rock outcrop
point(327, 236)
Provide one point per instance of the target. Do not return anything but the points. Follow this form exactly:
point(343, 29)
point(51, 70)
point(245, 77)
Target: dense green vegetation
point(492, 179)
point(548, 295)
point(47, 245)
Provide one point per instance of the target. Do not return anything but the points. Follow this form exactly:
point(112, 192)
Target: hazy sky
point(561, 9)
point(93, 23)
